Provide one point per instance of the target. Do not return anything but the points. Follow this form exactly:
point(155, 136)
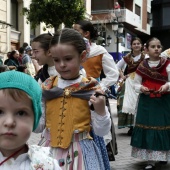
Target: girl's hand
point(124, 77)
point(163, 88)
point(144, 90)
point(98, 103)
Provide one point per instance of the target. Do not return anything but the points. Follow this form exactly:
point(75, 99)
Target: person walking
point(99, 59)
point(27, 61)
point(68, 121)
point(151, 135)
point(127, 97)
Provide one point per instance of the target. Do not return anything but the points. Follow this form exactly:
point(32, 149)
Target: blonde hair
point(16, 94)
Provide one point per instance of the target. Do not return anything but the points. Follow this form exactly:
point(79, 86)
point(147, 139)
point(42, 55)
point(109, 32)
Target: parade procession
point(84, 85)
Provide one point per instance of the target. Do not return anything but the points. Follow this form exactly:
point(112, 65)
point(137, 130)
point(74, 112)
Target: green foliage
point(55, 12)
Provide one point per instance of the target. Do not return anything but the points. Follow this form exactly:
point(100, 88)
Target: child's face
point(16, 122)
point(39, 54)
point(136, 46)
point(154, 49)
point(78, 28)
point(66, 60)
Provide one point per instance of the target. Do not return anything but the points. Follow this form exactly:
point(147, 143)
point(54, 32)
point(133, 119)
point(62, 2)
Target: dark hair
point(24, 45)
point(88, 26)
point(8, 54)
point(21, 50)
point(44, 40)
point(151, 39)
point(136, 38)
point(12, 54)
point(21, 68)
point(71, 37)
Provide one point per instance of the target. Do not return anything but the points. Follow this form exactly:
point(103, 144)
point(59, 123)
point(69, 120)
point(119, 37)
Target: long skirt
point(82, 154)
point(108, 151)
point(127, 100)
point(151, 134)
point(99, 141)
point(124, 119)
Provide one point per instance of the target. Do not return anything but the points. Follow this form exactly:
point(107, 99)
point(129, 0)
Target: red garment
point(157, 73)
point(20, 59)
point(117, 6)
point(155, 77)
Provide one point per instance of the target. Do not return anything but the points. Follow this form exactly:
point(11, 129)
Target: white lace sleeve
point(137, 83)
point(101, 124)
point(110, 70)
point(168, 72)
point(121, 64)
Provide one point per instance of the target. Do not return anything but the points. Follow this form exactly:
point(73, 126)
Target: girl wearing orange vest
point(68, 118)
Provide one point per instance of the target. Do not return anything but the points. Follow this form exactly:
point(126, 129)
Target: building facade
point(14, 28)
point(4, 27)
point(15, 31)
point(133, 14)
point(161, 22)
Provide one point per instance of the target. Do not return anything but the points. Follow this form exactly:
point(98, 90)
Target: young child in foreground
point(68, 116)
point(20, 111)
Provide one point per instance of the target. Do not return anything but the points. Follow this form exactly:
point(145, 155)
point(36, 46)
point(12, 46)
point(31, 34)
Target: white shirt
point(35, 157)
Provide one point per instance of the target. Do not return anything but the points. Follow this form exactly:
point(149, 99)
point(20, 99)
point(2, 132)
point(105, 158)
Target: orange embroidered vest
point(64, 115)
point(93, 66)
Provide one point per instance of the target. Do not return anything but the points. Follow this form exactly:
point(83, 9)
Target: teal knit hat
point(22, 81)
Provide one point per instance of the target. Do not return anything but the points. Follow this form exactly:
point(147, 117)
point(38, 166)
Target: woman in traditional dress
point(151, 134)
point(99, 59)
point(127, 97)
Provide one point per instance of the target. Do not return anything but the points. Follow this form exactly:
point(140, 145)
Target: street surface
point(124, 161)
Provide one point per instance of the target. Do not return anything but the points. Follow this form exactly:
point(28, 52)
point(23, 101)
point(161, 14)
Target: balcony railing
point(102, 11)
point(123, 15)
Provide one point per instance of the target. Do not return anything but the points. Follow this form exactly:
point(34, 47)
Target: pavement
point(123, 161)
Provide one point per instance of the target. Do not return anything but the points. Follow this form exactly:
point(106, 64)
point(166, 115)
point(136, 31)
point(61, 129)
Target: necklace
point(11, 156)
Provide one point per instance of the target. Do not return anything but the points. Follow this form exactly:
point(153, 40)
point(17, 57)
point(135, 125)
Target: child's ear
point(48, 53)
point(83, 56)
